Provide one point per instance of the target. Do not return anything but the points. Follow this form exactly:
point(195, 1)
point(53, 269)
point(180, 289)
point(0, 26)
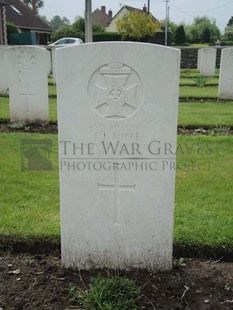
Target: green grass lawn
point(191, 82)
point(204, 194)
point(29, 205)
point(29, 200)
point(53, 110)
point(208, 113)
point(192, 114)
point(52, 90)
point(4, 108)
point(210, 92)
point(187, 73)
point(196, 114)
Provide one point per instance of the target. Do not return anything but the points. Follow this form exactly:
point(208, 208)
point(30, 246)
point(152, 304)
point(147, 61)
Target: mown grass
point(29, 205)
point(190, 82)
point(208, 113)
point(29, 202)
point(4, 108)
point(53, 110)
point(204, 192)
point(210, 92)
point(192, 113)
point(52, 91)
point(188, 73)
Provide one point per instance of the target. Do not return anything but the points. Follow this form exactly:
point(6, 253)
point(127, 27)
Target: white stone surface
point(207, 61)
point(4, 68)
point(117, 106)
point(225, 90)
point(28, 83)
point(53, 65)
point(199, 54)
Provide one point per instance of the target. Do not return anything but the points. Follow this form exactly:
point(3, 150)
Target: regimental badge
point(115, 91)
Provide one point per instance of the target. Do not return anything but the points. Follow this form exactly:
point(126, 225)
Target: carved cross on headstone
point(117, 188)
point(27, 95)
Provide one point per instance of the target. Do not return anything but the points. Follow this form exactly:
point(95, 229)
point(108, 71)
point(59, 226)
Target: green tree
point(67, 31)
point(76, 30)
point(11, 27)
point(79, 25)
point(180, 35)
point(44, 18)
point(205, 37)
point(97, 28)
point(58, 22)
point(195, 31)
point(172, 29)
point(136, 25)
point(228, 33)
point(230, 23)
point(39, 3)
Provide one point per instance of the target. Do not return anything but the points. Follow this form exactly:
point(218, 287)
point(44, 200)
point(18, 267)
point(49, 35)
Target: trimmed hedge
point(106, 36)
point(226, 43)
point(157, 38)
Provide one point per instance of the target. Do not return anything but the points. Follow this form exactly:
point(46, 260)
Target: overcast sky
point(180, 10)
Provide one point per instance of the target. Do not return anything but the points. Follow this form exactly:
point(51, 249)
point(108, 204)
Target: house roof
point(130, 9)
point(101, 17)
point(22, 16)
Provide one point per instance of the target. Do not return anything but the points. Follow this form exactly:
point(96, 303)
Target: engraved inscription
point(25, 62)
point(117, 188)
point(115, 91)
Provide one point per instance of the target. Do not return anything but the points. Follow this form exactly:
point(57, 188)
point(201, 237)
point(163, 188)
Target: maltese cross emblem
point(117, 91)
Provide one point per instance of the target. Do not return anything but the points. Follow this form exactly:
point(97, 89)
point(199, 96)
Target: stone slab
point(28, 83)
point(225, 90)
point(117, 107)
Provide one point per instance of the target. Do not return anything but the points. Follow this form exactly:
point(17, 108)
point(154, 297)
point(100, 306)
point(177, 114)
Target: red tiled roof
point(22, 16)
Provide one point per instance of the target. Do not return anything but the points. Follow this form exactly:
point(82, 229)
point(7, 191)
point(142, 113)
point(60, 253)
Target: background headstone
point(225, 90)
point(117, 106)
point(4, 68)
point(53, 65)
point(199, 53)
point(207, 61)
point(28, 83)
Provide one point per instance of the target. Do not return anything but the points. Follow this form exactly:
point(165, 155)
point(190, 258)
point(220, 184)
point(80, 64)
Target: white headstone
point(199, 54)
point(225, 90)
point(53, 65)
point(28, 83)
point(207, 61)
point(117, 106)
point(4, 68)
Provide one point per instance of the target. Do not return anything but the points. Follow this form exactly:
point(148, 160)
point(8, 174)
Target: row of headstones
point(117, 120)
point(206, 65)
point(115, 113)
point(24, 70)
